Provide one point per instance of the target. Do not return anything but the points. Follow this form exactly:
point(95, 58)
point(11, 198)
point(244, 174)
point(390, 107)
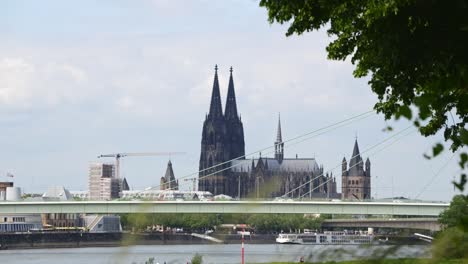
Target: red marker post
point(243, 230)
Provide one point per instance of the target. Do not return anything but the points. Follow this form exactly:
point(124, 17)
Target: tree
point(453, 242)
point(282, 222)
point(197, 259)
point(456, 215)
point(414, 51)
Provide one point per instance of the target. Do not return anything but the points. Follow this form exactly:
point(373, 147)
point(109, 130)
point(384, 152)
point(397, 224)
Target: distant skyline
point(84, 78)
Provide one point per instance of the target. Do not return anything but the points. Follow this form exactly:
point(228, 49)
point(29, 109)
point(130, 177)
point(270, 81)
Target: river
point(215, 254)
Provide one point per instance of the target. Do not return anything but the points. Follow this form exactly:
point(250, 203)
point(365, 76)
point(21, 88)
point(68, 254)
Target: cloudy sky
point(84, 78)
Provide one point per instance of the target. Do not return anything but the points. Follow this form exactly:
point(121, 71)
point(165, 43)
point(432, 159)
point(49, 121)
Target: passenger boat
point(327, 237)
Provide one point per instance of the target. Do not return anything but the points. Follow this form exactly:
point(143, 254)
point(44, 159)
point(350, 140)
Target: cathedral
point(223, 146)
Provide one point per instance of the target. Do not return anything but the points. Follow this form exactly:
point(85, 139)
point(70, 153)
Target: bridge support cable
point(373, 154)
point(306, 136)
point(436, 175)
point(337, 166)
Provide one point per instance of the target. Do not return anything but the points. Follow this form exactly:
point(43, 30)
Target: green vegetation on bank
point(262, 223)
point(452, 242)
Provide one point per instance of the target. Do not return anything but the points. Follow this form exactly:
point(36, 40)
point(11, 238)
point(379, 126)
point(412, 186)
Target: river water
point(211, 253)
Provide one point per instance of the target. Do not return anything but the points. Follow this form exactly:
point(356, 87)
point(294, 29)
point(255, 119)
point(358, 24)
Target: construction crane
point(117, 157)
point(194, 182)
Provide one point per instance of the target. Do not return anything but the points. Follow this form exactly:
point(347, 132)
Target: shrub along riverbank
point(262, 223)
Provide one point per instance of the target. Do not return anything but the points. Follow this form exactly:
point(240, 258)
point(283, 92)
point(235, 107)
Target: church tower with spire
point(355, 183)
point(279, 145)
point(169, 182)
point(222, 141)
point(234, 127)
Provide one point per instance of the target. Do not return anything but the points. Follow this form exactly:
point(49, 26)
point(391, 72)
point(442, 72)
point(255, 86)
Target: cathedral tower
point(222, 141)
point(355, 179)
point(169, 182)
point(234, 127)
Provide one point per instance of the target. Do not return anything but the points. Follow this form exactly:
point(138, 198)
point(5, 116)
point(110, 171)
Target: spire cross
point(216, 67)
point(230, 70)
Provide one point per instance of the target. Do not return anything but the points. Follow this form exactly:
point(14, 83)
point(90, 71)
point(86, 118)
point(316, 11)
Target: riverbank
point(212, 253)
point(78, 239)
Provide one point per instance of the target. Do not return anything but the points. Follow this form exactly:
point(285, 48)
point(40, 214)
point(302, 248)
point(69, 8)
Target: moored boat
point(327, 237)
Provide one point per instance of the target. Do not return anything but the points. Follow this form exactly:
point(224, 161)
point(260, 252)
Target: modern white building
point(13, 194)
point(102, 223)
point(156, 194)
point(19, 222)
point(57, 193)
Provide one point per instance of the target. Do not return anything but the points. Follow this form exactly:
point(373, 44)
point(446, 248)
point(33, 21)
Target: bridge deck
point(290, 207)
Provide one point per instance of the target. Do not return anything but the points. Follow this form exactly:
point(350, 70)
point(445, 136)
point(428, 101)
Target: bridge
point(265, 207)
point(430, 224)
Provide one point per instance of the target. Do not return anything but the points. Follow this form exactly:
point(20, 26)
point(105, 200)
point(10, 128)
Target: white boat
point(328, 237)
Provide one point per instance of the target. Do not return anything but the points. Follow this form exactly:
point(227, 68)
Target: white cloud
point(15, 77)
point(28, 84)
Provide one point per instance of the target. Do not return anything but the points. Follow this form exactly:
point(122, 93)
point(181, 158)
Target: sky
point(84, 78)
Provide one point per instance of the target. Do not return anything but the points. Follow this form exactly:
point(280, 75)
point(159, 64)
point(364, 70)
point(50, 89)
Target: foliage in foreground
point(414, 51)
point(456, 215)
point(452, 242)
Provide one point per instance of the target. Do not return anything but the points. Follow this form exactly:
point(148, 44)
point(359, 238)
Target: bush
point(197, 259)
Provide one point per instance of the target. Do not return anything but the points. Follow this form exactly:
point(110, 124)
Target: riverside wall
point(78, 239)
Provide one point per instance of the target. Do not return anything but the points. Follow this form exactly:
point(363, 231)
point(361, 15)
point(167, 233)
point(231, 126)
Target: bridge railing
point(296, 207)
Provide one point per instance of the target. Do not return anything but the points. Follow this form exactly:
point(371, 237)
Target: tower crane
point(117, 157)
point(194, 182)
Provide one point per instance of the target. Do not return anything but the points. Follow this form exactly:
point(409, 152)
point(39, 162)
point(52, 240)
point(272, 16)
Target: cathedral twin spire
point(222, 141)
point(231, 106)
point(216, 105)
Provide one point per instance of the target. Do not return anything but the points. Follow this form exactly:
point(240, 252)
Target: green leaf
point(404, 111)
point(461, 185)
point(464, 136)
point(387, 129)
point(437, 149)
point(463, 160)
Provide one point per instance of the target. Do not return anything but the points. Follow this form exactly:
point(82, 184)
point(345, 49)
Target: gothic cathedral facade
point(224, 169)
point(222, 141)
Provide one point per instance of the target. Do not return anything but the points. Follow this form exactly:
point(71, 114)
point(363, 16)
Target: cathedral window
point(211, 138)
